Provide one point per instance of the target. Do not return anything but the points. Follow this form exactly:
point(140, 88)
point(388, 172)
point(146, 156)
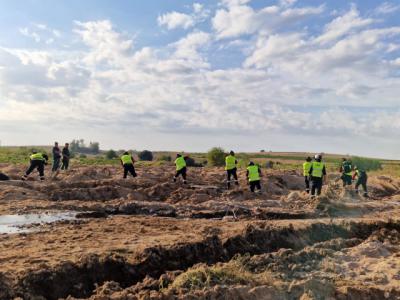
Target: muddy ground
point(150, 238)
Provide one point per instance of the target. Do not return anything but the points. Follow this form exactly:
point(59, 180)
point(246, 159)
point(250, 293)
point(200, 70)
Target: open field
point(150, 238)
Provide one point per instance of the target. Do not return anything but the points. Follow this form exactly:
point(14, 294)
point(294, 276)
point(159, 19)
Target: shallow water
point(16, 223)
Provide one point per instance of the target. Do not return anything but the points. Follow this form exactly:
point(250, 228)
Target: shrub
point(165, 158)
point(367, 164)
point(216, 157)
point(146, 155)
point(111, 154)
point(190, 162)
point(82, 156)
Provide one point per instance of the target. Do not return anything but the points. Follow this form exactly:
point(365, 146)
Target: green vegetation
point(146, 155)
point(216, 157)
point(164, 157)
point(202, 276)
point(367, 164)
point(111, 154)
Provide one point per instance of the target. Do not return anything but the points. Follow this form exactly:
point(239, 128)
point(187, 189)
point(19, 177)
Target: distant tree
point(94, 147)
point(111, 154)
point(78, 146)
point(145, 155)
point(216, 156)
point(262, 151)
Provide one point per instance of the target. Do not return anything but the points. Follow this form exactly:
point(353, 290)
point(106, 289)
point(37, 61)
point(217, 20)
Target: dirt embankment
point(150, 238)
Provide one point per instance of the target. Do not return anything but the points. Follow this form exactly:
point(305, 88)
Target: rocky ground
point(150, 238)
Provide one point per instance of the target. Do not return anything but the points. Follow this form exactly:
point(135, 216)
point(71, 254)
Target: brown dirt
point(140, 234)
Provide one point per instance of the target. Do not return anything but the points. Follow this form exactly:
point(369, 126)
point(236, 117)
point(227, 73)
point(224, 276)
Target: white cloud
point(387, 8)
point(40, 32)
point(238, 19)
point(287, 3)
point(173, 20)
point(291, 81)
point(26, 32)
point(343, 25)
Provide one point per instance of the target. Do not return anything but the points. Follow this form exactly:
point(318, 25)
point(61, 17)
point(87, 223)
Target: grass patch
point(202, 276)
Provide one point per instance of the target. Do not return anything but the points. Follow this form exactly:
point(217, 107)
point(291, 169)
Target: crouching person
point(253, 175)
point(362, 178)
point(37, 161)
point(127, 162)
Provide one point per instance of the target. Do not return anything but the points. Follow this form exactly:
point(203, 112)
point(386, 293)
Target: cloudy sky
point(285, 75)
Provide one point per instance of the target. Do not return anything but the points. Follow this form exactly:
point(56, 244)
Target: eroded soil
point(150, 238)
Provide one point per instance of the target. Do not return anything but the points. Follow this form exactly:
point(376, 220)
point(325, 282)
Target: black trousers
point(129, 168)
point(181, 172)
point(307, 182)
point(65, 164)
point(231, 173)
point(56, 164)
point(316, 185)
point(36, 164)
point(363, 183)
point(254, 185)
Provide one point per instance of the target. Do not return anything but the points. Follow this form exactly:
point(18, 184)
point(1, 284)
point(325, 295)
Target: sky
point(246, 75)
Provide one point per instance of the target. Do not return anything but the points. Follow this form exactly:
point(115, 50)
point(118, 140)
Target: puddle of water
point(15, 223)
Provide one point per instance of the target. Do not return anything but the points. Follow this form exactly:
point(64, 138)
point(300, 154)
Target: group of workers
point(38, 160)
point(314, 171)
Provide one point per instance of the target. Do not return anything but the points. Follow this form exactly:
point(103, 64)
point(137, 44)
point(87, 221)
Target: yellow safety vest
point(317, 168)
point(180, 163)
point(254, 175)
point(306, 168)
point(230, 162)
point(37, 156)
point(126, 159)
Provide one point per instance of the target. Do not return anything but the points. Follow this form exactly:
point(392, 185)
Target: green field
point(280, 160)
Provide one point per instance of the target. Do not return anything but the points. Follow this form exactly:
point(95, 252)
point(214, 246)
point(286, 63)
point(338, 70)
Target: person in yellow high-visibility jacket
point(180, 163)
point(253, 175)
point(231, 168)
point(306, 173)
point(317, 173)
point(127, 162)
point(37, 161)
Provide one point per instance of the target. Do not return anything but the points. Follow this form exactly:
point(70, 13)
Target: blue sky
point(188, 75)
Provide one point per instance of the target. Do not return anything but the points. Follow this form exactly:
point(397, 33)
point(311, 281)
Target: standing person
point(346, 170)
point(180, 163)
point(127, 162)
point(37, 161)
point(306, 173)
point(317, 173)
point(231, 168)
point(362, 179)
point(253, 175)
point(56, 157)
point(65, 157)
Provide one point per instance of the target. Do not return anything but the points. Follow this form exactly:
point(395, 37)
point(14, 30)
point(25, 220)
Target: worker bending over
point(346, 170)
point(180, 163)
point(317, 173)
point(253, 175)
point(231, 168)
point(362, 178)
point(127, 162)
point(37, 161)
point(306, 173)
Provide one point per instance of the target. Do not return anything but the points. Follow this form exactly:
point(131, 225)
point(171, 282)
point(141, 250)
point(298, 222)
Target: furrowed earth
point(150, 238)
